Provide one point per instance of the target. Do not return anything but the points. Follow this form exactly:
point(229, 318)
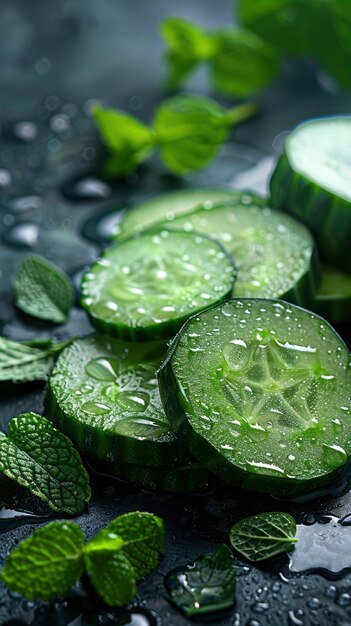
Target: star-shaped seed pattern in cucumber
point(270, 383)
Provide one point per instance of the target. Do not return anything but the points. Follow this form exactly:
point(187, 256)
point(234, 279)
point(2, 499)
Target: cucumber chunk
point(186, 478)
point(260, 391)
point(312, 182)
point(104, 395)
point(275, 255)
point(333, 299)
point(166, 207)
point(146, 287)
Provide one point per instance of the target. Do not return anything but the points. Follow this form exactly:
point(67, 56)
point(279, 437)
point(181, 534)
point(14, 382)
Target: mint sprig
point(26, 361)
point(187, 130)
point(43, 290)
point(46, 564)
point(240, 63)
point(37, 456)
point(49, 562)
point(262, 536)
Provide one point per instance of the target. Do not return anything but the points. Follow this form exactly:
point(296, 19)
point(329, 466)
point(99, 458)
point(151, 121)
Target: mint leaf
point(46, 564)
point(205, 586)
point(265, 535)
point(43, 290)
point(37, 456)
point(109, 569)
point(334, 27)
point(243, 63)
point(129, 141)
point(288, 24)
point(191, 129)
point(144, 537)
point(188, 45)
point(26, 361)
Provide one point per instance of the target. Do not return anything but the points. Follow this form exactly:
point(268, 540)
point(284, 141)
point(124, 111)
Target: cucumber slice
point(147, 286)
point(104, 395)
point(333, 299)
point(166, 207)
point(186, 478)
point(260, 391)
point(275, 255)
point(312, 182)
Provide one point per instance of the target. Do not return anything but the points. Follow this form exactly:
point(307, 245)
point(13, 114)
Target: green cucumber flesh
point(104, 395)
point(312, 182)
point(186, 478)
point(274, 254)
point(146, 287)
point(260, 390)
point(333, 298)
point(166, 207)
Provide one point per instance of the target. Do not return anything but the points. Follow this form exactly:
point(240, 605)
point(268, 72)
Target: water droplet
point(103, 368)
point(5, 178)
point(133, 401)
point(86, 188)
point(21, 204)
point(25, 131)
point(95, 408)
point(60, 123)
point(24, 235)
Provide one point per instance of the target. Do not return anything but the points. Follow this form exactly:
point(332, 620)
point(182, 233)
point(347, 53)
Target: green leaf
point(262, 536)
point(43, 290)
point(288, 24)
point(244, 63)
point(205, 586)
point(332, 39)
point(37, 456)
point(191, 129)
point(46, 564)
point(188, 45)
point(129, 141)
point(110, 570)
point(26, 361)
point(144, 537)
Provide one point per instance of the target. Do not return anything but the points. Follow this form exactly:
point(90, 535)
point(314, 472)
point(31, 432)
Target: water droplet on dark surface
point(21, 204)
point(101, 227)
point(5, 178)
point(324, 546)
point(25, 131)
point(60, 123)
point(86, 188)
point(24, 235)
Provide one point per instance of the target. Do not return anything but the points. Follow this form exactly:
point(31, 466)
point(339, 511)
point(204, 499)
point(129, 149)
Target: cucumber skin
point(206, 454)
point(328, 216)
point(147, 333)
point(112, 447)
point(304, 290)
point(186, 478)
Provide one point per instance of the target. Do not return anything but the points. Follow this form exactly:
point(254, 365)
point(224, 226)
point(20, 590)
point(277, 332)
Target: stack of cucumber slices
point(205, 368)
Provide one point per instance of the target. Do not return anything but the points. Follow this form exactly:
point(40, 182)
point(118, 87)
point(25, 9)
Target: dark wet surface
point(56, 61)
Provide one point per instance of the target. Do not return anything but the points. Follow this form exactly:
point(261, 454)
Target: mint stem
point(241, 113)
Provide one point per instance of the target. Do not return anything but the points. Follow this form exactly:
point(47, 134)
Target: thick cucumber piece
point(275, 255)
point(261, 392)
point(104, 395)
point(312, 182)
point(146, 287)
point(166, 207)
point(186, 478)
point(333, 299)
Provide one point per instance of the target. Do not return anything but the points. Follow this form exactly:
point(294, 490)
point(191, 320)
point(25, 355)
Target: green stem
point(241, 113)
